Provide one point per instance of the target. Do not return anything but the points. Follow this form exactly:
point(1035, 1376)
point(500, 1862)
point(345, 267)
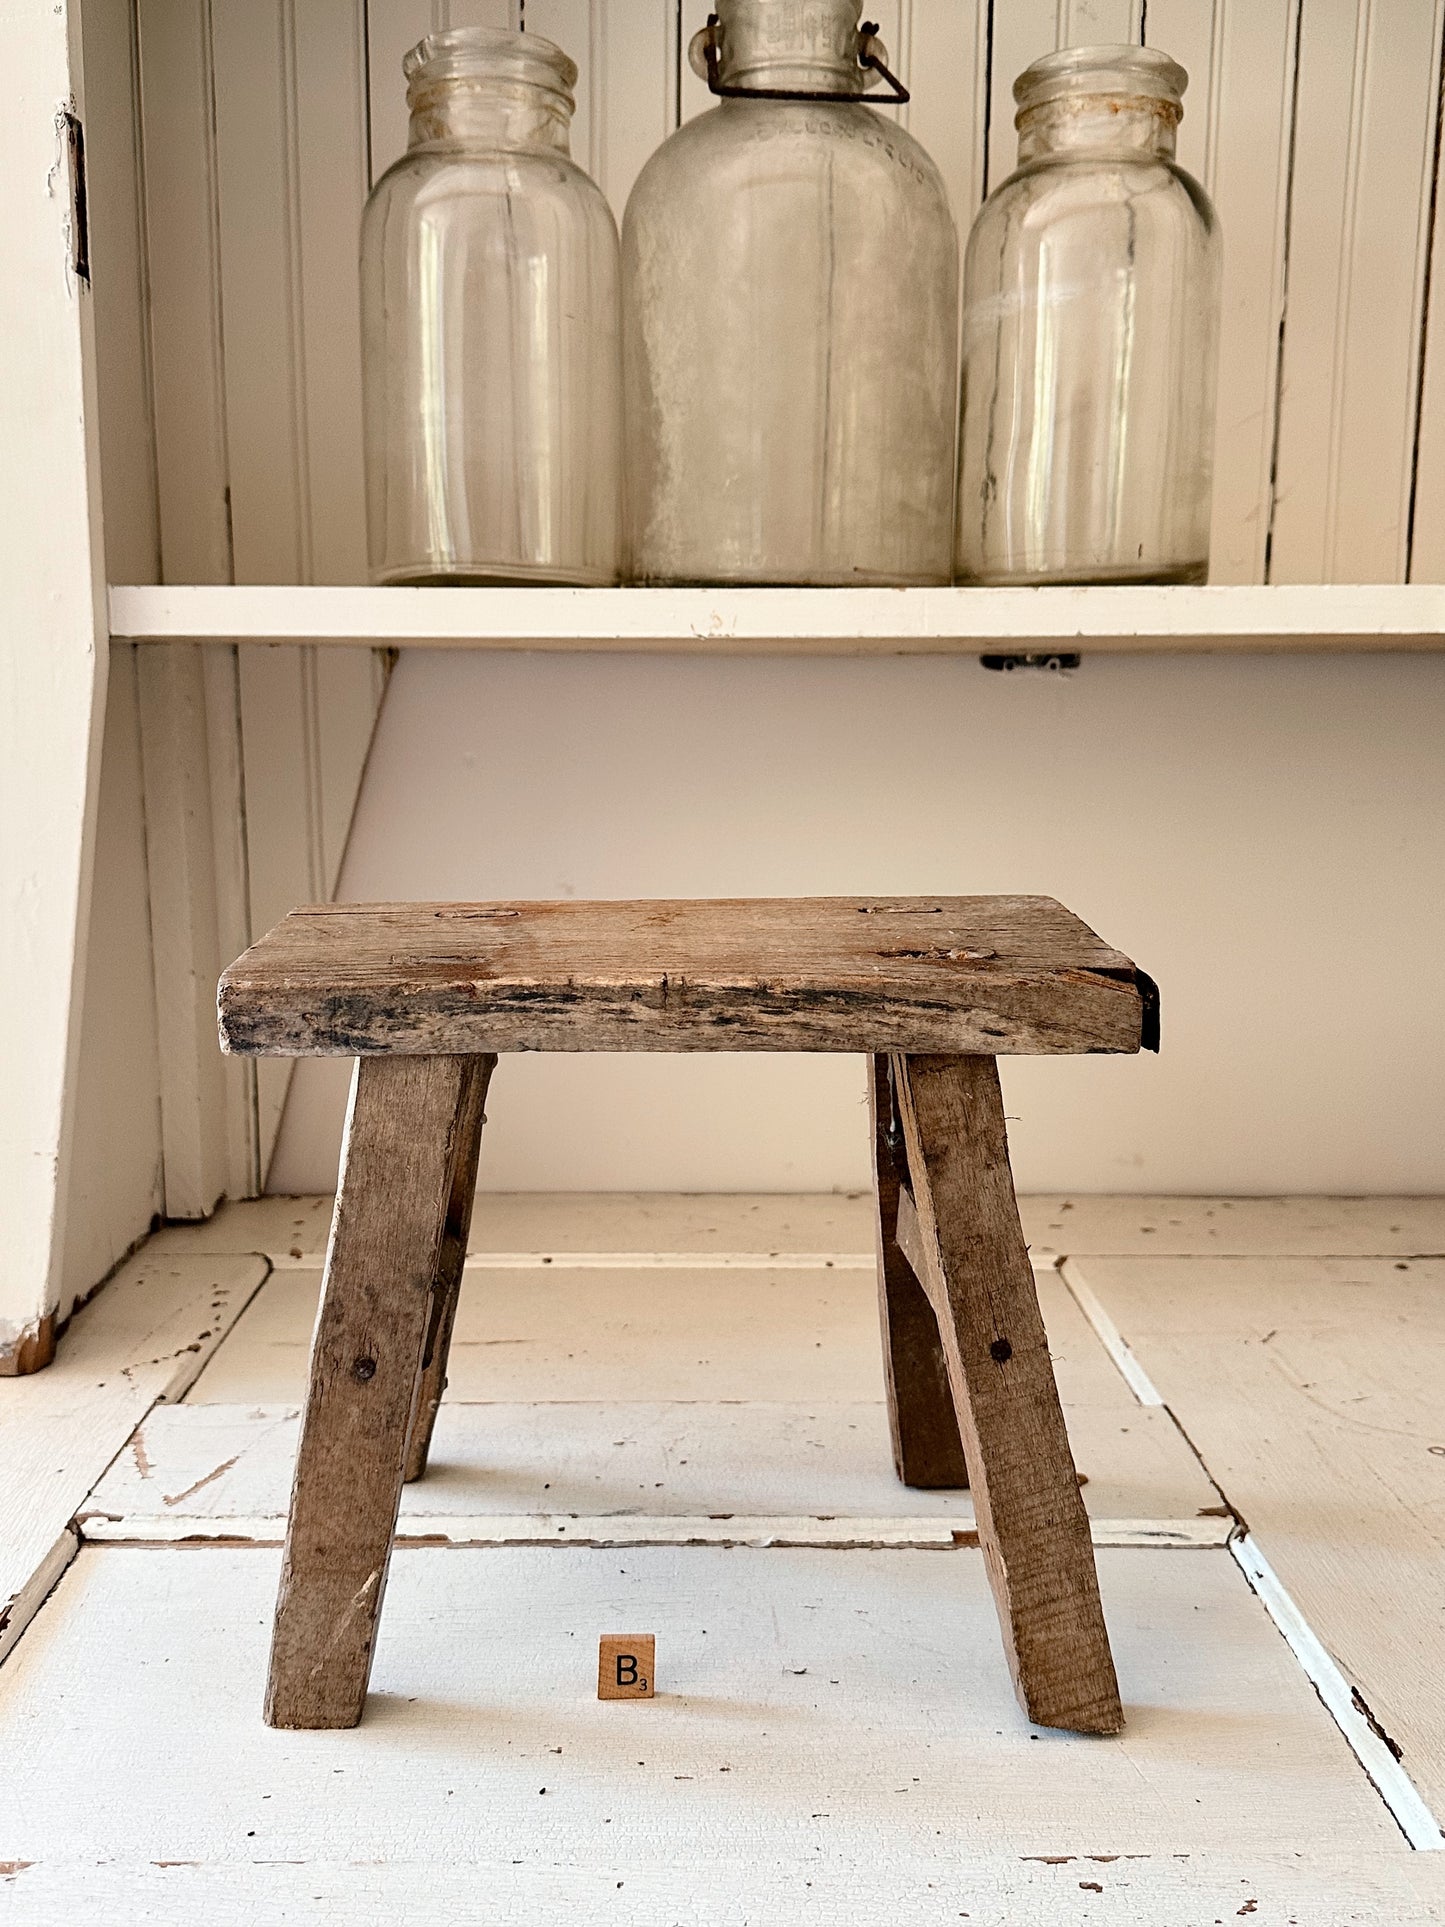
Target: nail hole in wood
point(363, 1369)
point(1001, 1350)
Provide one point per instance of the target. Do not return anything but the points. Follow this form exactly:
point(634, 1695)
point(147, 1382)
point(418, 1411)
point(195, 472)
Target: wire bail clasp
point(704, 57)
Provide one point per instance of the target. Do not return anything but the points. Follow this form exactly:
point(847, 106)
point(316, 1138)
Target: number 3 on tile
point(625, 1666)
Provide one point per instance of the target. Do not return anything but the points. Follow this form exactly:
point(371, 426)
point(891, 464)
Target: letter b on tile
point(625, 1663)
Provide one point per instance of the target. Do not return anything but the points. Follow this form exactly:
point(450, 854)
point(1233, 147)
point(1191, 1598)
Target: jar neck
point(489, 113)
point(807, 46)
point(1081, 125)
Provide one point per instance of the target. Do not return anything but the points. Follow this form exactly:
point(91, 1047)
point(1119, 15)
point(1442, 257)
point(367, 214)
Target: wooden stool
point(933, 989)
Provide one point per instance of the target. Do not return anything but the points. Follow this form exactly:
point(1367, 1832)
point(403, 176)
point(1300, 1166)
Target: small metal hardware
point(893, 1129)
point(1055, 661)
point(72, 133)
point(870, 56)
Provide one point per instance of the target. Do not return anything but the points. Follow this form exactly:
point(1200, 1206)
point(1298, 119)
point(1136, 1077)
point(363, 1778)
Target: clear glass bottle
point(491, 331)
point(790, 298)
point(1090, 325)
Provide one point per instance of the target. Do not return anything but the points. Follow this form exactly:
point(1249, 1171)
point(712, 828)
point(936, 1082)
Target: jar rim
point(790, 42)
point(1133, 73)
point(490, 53)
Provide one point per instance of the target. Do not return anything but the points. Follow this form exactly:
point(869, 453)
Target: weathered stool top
point(993, 976)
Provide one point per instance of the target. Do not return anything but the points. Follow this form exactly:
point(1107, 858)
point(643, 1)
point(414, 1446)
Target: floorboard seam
point(39, 1588)
point(764, 1531)
point(1361, 1731)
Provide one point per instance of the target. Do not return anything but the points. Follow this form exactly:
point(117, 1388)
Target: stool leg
point(1031, 1520)
point(927, 1450)
point(449, 1269)
point(404, 1140)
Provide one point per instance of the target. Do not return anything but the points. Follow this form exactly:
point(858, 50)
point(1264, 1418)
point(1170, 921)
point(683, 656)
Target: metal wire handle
point(870, 56)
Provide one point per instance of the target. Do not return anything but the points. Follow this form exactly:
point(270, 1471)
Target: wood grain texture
point(909, 1234)
point(1031, 1519)
point(404, 1138)
point(1311, 1389)
point(997, 974)
point(448, 1286)
point(927, 1450)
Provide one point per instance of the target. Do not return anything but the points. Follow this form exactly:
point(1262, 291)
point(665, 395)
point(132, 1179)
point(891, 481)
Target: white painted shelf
point(1389, 616)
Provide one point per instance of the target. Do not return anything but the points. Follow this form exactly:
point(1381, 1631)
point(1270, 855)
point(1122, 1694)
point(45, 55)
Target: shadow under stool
point(932, 990)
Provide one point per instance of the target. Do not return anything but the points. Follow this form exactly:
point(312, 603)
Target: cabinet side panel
point(114, 1185)
point(53, 660)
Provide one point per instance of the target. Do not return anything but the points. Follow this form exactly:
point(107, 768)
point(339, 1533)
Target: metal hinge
point(74, 135)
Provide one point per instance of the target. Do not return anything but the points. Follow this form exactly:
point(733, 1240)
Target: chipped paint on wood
point(995, 974)
point(144, 1338)
point(30, 1349)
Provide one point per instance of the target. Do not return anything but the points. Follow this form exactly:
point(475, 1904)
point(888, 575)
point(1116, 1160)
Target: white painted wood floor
point(665, 1414)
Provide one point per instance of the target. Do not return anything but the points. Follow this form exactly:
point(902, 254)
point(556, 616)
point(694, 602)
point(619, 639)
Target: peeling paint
point(31, 1349)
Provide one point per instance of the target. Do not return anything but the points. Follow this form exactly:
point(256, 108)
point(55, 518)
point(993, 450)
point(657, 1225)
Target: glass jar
point(789, 325)
point(1090, 325)
point(490, 327)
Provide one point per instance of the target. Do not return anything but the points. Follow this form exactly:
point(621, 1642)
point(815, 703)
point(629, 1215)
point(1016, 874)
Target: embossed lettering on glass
point(790, 323)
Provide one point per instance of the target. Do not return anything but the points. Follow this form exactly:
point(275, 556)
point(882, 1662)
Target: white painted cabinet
point(190, 416)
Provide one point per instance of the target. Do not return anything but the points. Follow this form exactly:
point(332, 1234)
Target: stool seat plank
point(996, 976)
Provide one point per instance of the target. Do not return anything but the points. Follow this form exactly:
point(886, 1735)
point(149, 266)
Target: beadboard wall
point(1250, 829)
